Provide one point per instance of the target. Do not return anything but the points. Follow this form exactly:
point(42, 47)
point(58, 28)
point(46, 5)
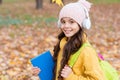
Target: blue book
point(46, 63)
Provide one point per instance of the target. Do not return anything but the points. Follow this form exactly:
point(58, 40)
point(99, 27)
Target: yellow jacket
point(85, 68)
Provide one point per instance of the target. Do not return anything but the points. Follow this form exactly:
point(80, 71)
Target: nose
point(66, 24)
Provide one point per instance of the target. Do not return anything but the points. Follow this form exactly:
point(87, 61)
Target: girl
point(73, 19)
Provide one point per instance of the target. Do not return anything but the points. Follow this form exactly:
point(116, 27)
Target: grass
point(15, 1)
point(105, 1)
point(17, 15)
point(94, 1)
point(9, 17)
point(26, 20)
point(8, 20)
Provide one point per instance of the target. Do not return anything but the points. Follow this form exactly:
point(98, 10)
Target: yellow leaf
point(3, 77)
point(59, 2)
point(53, 0)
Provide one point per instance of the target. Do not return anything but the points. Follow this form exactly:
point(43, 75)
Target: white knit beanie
point(78, 11)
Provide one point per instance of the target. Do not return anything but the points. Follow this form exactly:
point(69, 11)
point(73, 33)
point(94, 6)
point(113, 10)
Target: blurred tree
point(0, 1)
point(50, 1)
point(39, 4)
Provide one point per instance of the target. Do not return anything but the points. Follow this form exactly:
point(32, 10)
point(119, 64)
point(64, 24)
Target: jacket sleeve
point(91, 67)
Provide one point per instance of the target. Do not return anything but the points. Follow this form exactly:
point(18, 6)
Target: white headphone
point(86, 22)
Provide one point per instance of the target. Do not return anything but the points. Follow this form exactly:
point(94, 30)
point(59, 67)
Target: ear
point(86, 23)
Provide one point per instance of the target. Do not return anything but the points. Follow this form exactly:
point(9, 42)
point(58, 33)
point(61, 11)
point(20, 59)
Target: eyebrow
point(72, 20)
point(69, 20)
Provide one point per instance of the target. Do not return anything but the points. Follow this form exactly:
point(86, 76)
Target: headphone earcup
point(86, 23)
point(58, 24)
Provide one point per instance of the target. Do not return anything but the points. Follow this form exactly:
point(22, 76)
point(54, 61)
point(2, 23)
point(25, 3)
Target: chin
point(68, 35)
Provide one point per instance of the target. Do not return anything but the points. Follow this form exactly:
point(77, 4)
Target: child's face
point(69, 26)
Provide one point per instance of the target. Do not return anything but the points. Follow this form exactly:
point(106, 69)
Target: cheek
point(61, 27)
point(76, 28)
point(75, 31)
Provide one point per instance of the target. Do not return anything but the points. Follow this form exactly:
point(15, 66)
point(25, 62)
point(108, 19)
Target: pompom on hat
point(78, 11)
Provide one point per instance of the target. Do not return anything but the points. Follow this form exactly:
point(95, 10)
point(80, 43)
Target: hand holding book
point(35, 70)
point(45, 64)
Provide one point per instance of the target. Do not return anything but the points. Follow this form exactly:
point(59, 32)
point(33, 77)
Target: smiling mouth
point(67, 31)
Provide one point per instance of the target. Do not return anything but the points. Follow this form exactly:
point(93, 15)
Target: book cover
point(46, 64)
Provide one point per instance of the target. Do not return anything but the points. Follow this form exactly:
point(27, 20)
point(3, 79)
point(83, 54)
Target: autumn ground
point(26, 32)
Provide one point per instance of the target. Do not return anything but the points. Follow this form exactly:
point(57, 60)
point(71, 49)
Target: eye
point(72, 21)
point(63, 21)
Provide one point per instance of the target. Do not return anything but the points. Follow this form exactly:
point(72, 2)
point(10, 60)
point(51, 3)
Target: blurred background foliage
point(7, 17)
point(26, 31)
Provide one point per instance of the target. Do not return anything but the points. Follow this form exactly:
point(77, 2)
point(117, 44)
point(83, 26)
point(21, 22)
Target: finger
point(36, 68)
point(67, 66)
point(64, 75)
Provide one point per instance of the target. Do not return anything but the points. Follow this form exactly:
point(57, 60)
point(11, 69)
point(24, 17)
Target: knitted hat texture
point(78, 11)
